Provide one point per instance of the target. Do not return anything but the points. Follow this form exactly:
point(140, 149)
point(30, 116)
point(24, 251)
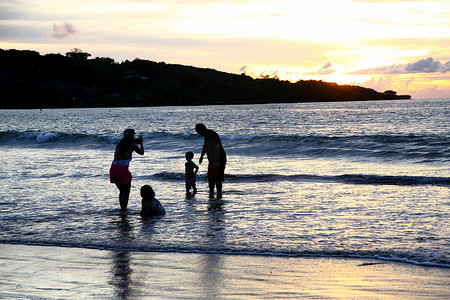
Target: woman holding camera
point(119, 173)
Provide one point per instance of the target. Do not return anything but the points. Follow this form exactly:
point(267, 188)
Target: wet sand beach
point(43, 272)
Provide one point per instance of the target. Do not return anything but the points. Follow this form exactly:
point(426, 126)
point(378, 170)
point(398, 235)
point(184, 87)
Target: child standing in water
point(191, 172)
point(150, 205)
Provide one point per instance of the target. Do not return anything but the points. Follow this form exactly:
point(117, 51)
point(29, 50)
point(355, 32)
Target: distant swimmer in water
point(119, 173)
point(217, 159)
point(191, 170)
point(150, 205)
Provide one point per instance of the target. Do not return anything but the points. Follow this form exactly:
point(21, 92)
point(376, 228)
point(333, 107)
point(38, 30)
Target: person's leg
point(211, 183)
point(194, 188)
point(219, 179)
point(219, 189)
point(124, 195)
point(188, 187)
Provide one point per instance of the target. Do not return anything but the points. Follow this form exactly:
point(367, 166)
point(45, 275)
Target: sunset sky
point(381, 44)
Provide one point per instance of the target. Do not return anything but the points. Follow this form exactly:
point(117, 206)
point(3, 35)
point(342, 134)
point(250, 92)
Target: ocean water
point(348, 179)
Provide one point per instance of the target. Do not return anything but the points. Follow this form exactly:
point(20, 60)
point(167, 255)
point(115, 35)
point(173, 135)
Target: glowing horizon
point(380, 44)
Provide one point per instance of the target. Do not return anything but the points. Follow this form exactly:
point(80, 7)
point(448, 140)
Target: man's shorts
point(217, 174)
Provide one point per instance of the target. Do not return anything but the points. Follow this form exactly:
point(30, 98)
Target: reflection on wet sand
point(121, 274)
point(121, 270)
point(210, 266)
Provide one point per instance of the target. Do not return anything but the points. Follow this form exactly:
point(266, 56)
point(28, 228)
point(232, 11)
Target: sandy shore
point(36, 272)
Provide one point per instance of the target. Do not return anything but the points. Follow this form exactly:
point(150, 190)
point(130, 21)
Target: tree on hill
point(77, 54)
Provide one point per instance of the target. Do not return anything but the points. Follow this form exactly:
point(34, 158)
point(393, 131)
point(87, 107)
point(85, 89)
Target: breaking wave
point(346, 178)
point(415, 148)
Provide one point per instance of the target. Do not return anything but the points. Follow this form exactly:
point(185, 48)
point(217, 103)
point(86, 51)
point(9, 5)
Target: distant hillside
point(30, 80)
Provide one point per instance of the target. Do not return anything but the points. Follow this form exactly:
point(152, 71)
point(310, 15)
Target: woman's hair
point(128, 138)
point(147, 192)
point(129, 132)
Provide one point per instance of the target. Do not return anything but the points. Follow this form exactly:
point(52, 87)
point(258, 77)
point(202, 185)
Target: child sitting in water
point(191, 172)
point(150, 205)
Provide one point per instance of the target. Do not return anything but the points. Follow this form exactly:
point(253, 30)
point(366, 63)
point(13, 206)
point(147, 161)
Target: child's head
point(189, 155)
point(147, 192)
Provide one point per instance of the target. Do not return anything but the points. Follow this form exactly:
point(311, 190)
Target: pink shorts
point(119, 174)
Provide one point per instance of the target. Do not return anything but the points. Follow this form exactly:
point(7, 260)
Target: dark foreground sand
point(35, 272)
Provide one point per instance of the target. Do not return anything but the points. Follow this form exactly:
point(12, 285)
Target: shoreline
point(65, 272)
point(182, 104)
point(377, 260)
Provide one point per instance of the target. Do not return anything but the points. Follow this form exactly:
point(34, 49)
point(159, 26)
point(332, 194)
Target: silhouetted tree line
point(31, 80)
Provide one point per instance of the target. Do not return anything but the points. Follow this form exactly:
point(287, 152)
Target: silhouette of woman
point(119, 173)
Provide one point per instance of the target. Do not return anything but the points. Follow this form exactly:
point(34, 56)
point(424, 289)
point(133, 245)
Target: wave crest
point(346, 178)
point(415, 148)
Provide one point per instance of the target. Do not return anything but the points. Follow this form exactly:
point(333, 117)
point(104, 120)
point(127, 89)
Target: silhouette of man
point(217, 158)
